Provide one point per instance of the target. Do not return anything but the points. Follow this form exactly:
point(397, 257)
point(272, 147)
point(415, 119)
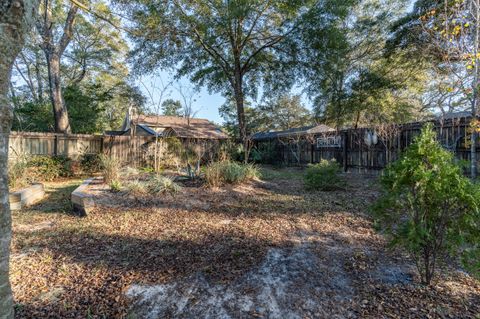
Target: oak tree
point(231, 47)
point(16, 17)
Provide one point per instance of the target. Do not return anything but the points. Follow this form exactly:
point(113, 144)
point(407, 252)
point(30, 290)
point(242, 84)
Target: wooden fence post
point(55, 145)
point(312, 149)
point(345, 151)
point(102, 141)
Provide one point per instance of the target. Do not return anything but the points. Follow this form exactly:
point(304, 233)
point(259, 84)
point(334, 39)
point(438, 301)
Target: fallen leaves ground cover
point(265, 249)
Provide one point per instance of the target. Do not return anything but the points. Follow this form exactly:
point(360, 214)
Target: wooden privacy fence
point(363, 148)
point(126, 149)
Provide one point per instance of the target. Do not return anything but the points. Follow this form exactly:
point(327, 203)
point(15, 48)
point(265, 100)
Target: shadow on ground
point(57, 198)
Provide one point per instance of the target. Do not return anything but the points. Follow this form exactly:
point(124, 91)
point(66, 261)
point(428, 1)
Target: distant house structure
point(292, 145)
point(363, 148)
point(169, 126)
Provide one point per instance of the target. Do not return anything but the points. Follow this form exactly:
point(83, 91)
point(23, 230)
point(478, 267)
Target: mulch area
point(68, 267)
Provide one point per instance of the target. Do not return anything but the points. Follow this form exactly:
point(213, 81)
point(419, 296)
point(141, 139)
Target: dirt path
point(306, 280)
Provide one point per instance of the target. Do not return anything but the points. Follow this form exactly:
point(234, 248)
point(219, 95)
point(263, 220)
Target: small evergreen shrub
point(17, 172)
point(227, 172)
point(429, 208)
point(110, 168)
point(91, 163)
point(233, 173)
point(145, 169)
point(324, 176)
point(48, 168)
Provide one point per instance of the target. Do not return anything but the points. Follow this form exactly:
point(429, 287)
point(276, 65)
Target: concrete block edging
point(26, 196)
point(82, 202)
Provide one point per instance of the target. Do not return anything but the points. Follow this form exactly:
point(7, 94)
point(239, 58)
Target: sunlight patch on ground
point(289, 283)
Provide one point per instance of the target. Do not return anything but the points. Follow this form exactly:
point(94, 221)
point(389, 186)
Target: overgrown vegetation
point(228, 172)
point(17, 172)
point(324, 176)
point(24, 171)
point(48, 168)
point(91, 163)
point(429, 208)
point(153, 185)
point(110, 168)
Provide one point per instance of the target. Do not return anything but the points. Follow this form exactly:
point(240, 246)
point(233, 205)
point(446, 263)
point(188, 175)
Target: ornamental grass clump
point(227, 172)
point(324, 176)
point(110, 168)
point(429, 208)
point(162, 184)
point(136, 187)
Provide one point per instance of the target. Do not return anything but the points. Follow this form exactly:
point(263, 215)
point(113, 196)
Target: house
point(295, 145)
point(169, 126)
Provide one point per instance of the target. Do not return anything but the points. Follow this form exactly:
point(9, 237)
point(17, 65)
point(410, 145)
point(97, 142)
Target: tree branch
point(67, 30)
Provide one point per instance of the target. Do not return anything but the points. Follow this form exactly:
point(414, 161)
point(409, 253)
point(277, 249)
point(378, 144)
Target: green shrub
point(17, 172)
point(428, 206)
point(110, 168)
point(91, 163)
point(233, 172)
point(48, 168)
point(219, 173)
point(162, 184)
point(324, 176)
point(115, 186)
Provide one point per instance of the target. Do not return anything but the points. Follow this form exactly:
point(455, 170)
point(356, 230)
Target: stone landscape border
point(82, 201)
point(26, 196)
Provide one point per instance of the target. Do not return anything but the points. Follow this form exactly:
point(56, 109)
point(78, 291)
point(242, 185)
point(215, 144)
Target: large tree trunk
point(62, 124)
point(53, 53)
point(240, 100)
point(38, 76)
point(15, 16)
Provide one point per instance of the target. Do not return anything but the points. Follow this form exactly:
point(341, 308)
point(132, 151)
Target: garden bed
point(26, 196)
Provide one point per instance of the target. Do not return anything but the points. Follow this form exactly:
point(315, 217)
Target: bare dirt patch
point(293, 282)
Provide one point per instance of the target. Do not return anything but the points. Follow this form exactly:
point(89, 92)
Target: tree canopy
point(231, 47)
point(94, 80)
point(172, 107)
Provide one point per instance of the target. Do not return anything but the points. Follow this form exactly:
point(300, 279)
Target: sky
point(206, 104)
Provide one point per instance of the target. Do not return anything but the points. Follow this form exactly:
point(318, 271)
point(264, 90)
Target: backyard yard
point(265, 248)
